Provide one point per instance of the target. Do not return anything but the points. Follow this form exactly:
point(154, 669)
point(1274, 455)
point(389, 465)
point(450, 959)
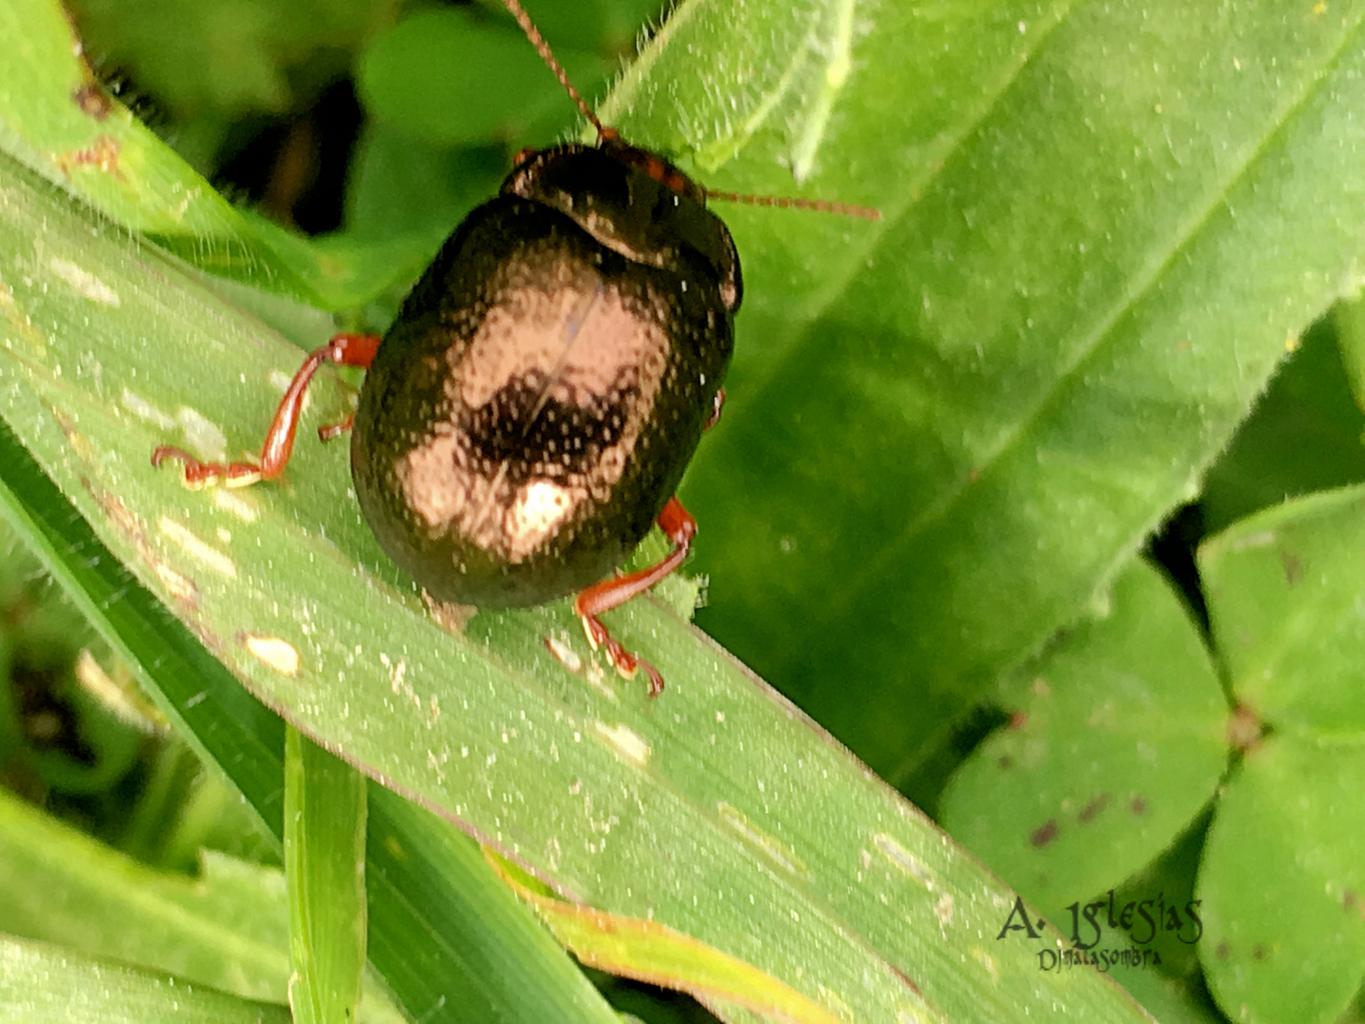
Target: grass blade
point(815, 872)
point(324, 855)
point(42, 983)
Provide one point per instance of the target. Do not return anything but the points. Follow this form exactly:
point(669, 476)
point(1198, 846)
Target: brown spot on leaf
point(1351, 902)
point(74, 437)
point(102, 154)
point(906, 980)
point(1293, 567)
point(1090, 810)
point(120, 515)
point(1222, 951)
point(1044, 833)
point(1244, 729)
point(182, 590)
point(1258, 952)
point(1018, 720)
point(1139, 805)
point(92, 101)
point(1004, 762)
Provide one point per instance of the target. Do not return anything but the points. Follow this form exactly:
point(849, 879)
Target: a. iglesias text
point(1107, 933)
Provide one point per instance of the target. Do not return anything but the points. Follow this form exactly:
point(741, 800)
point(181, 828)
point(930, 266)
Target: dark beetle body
point(545, 384)
point(530, 413)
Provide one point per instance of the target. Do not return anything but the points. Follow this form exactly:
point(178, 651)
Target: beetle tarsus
point(341, 350)
point(681, 528)
point(622, 660)
point(198, 475)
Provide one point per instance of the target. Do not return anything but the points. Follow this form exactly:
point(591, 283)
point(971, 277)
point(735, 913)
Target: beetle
point(529, 414)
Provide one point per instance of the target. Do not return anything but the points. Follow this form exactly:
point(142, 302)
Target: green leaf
point(948, 430)
point(400, 187)
point(655, 953)
point(230, 56)
point(183, 810)
point(1284, 597)
point(1350, 325)
point(447, 76)
point(324, 853)
point(607, 26)
point(444, 933)
point(55, 116)
point(717, 811)
point(225, 929)
point(1165, 998)
point(1283, 885)
point(57, 119)
point(42, 983)
point(1172, 878)
point(1305, 435)
point(1117, 737)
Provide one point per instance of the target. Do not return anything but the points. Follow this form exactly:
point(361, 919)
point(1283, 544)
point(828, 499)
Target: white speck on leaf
point(234, 505)
point(625, 741)
point(145, 410)
point(197, 548)
point(84, 283)
point(943, 909)
point(1251, 541)
point(275, 652)
point(903, 859)
point(776, 851)
point(564, 654)
point(181, 586)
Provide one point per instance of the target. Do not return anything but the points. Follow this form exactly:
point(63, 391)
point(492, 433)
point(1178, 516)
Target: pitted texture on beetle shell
point(533, 407)
point(567, 428)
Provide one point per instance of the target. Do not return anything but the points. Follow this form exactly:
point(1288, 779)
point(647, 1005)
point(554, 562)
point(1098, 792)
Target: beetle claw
point(625, 663)
point(593, 630)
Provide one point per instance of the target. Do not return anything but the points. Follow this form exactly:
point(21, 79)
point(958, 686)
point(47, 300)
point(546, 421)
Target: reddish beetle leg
point(680, 527)
point(341, 350)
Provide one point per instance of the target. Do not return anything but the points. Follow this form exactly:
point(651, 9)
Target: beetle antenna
point(605, 133)
point(547, 55)
point(797, 203)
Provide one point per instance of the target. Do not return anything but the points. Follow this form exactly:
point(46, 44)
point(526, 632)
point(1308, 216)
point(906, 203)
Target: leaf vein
point(1088, 351)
